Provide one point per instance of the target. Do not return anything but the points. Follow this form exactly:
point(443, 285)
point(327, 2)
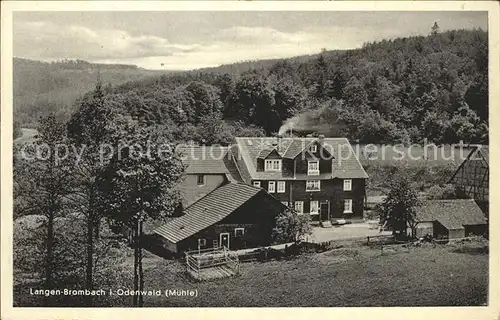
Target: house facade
point(207, 168)
point(316, 175)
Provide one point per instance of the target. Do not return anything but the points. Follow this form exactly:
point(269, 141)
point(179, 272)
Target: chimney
point(321, 139)
point(280, 140)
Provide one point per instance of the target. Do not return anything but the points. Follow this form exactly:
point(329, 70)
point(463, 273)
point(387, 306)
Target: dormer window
point(314, 148)
point(273, 165)
point(313, 168)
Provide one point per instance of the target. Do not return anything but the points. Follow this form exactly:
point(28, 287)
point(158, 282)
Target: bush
point(436, 192)
point(291, 227)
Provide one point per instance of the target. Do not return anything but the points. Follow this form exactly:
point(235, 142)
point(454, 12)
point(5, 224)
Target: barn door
point(224, 240)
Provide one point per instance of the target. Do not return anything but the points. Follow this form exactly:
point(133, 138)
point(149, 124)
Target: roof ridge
point(448, 200)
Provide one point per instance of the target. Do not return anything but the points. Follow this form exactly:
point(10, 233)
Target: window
point(313, 185)
point(238, 232)
point(347, 185)
point(299, 207)
point(202, 242)
point(201, 180)
point(348, 206)
point(273, 165)
point(215, 244)
point(281, 186)
point(314, 207)
point(271, 187)
point(313, 168)
point(314, 148)
point(256, 184)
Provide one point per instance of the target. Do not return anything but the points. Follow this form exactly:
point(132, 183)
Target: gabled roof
point(478, 153)
point(207, 211)
point(345, 163)
point(205, 159)
point(452, 214)
point(264, 153)
point(484, 150)
point(295, 147)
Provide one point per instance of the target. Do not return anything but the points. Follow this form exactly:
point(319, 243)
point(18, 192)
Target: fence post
point(199, 266)
point(367, 240)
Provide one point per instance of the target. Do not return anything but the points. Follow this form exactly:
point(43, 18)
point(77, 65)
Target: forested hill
point(401, 90)
point(41, 87)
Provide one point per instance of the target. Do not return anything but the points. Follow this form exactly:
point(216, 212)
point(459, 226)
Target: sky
point(192, 40)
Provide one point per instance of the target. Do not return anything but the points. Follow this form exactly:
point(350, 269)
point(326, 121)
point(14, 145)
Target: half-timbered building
point(472, 177)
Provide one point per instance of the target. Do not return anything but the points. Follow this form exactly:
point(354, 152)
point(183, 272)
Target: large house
point(316, 175)
point(232, 195)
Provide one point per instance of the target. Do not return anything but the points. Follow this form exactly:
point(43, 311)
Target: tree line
point(394, 91)
point(405, 90)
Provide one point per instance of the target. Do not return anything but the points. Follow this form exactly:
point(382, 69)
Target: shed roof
point(207, 211)
point(452, 214)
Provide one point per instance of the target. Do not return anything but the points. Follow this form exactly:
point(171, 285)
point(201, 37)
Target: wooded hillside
point(394, 91)
point(41, 88)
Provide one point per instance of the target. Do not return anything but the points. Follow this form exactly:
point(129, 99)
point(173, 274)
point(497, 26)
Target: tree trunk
point(90, 260)
point(141, 274)
point(136, 264)
point(50, 253)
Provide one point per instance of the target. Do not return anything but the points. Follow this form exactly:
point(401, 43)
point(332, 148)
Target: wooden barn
point(233, 216)
point(450, 219)
point(472, 177)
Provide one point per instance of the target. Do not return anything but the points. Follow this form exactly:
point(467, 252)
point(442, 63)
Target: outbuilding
point(235, 215)
point(451, 219)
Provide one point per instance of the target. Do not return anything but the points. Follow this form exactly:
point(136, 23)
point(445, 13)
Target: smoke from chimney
point(311, 121)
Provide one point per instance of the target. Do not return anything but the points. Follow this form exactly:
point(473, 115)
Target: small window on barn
point(238, 232)
point(201, 179)
point(256, 184)
point(314, 148)
point(202, 242)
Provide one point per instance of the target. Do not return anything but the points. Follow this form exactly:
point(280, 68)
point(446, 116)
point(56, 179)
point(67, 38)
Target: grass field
point(346, 277)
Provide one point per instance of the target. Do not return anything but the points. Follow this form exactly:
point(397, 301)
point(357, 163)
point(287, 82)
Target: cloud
point(185, 44)
point(258, 35)
point(45, 40)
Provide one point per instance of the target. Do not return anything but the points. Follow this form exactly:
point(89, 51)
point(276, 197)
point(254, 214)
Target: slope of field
point(354, 277)
point(41, 88)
